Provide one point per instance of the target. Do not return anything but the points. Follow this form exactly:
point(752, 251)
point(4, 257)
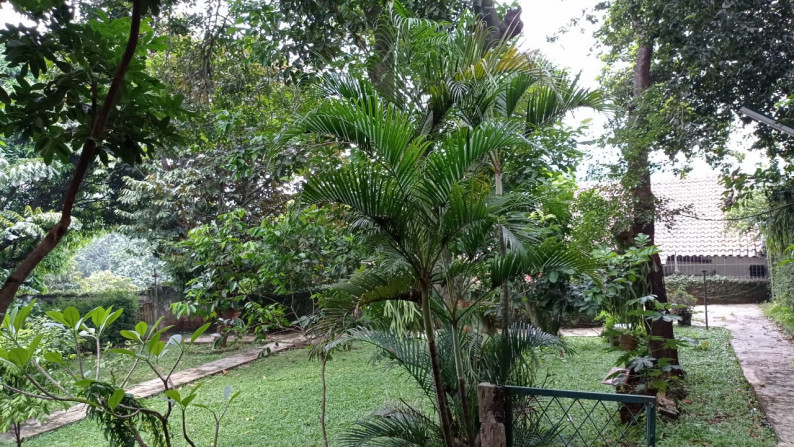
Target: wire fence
point(538, 416)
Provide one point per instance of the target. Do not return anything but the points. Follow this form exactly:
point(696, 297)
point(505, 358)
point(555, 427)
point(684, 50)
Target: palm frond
point(344, 86)
point(400, 427)
point(367, 190)
point(547, 103)
point(539, 259)
point(518, 350)
point(384, 132)
point(401, 350)
point(458, 154)
point(370, 286)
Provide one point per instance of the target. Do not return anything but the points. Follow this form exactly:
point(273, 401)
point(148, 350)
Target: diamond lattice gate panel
point(541, 417)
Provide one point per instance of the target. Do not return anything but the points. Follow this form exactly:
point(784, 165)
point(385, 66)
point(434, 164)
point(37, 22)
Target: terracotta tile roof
point(692, 233)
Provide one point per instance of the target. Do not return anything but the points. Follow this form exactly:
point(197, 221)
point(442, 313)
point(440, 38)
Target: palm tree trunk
point(435, 366)
point(464, 397)
point(505, 301)
point(322, 403)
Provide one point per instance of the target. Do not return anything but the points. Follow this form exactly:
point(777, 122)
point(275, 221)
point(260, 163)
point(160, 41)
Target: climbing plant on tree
point(82, 88)
point(691, 66)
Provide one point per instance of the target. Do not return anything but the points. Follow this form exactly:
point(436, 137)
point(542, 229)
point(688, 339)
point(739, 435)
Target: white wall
point(736, 266)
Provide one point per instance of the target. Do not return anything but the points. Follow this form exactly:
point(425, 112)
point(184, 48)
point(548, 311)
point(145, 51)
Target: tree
point(72, 64)
point(415, 185)
point(693, 65)
point(546, 101)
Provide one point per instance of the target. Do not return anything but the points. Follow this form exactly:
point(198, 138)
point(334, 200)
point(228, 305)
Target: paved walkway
point(766, 354)
point(150, 388)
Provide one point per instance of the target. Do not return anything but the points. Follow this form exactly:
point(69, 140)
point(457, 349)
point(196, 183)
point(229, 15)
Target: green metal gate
point(547, 417)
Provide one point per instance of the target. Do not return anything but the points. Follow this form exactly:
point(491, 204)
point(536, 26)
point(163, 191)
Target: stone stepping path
point(765, 353)
point(155, 386)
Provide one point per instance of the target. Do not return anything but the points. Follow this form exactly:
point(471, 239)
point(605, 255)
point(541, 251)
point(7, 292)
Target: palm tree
point(417, 185)
point(538, 101)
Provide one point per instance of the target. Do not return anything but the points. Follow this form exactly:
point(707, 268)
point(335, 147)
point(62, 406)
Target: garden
point(331, 223)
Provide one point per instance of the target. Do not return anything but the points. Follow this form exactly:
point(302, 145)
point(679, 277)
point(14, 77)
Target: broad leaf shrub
point(125, 420)
point(117, 300)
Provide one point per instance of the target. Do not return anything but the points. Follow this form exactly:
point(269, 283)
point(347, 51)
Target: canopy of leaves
point(709, 59)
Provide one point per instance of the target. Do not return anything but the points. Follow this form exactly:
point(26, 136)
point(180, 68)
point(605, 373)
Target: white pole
point(761, 118)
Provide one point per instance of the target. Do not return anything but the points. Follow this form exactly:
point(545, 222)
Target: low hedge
point(119, 300)
point(721, 289)
point(783, 284)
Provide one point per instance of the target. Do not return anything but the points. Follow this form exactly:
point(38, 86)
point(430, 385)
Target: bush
point(720, 289)
point(783, 285)
point(118, 299)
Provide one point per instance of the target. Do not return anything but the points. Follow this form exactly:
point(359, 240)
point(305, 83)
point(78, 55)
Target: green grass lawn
point(280, 403)
point(721, 408)
point(780, 314)
point(281, 397)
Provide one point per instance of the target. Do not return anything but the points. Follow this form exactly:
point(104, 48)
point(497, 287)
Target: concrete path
point(581, 332)
point(150, 388)
point(765, 353)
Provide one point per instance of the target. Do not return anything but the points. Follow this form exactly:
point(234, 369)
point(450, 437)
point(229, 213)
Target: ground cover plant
point(280, 406)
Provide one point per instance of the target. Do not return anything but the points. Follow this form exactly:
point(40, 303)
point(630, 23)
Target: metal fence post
point(705, 300)
point(650, 423)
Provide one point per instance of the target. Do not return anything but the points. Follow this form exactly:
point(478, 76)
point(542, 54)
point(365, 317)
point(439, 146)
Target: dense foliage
point(390, 173)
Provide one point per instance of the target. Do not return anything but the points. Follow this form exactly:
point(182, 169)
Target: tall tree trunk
point(380, 65)
point(444, 414)
point(505, 289)
point(324, 359)
point(644, 206)
point(56, 233)
point(462, 389)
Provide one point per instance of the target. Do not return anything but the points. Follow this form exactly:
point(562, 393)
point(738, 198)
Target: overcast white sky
point(573, 50)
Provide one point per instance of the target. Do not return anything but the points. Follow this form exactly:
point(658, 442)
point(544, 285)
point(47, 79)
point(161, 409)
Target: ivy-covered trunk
point(644, 207)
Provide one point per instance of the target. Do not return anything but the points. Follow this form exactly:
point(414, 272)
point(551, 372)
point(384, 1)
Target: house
point(697, 237)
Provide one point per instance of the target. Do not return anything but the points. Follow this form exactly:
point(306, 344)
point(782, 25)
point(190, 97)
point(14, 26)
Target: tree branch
point(56, 233)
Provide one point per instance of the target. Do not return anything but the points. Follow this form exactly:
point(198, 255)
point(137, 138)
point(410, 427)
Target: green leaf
point(19, 357)
point(22, 315)
point(115, 399)
point(34, 344)
point(57, 316)
point(130, 335)
point(123, 351)
point(84, 383)
point(53, 357)
point(98, 316)
point(71, 317)
point(174, 395)
point(4, 96)
point(141, 329)
point(157, 347)
point(111, 318)
point(197, 333)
